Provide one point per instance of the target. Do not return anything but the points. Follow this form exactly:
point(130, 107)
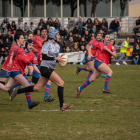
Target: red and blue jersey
point(38, 43)
point(6, 65)
point(103, 55)
point(93, 50)
point(23, 59)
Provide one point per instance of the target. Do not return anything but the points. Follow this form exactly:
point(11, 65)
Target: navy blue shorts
point(97, 64)
point(92, 58)
point(4, 74)
point(15, 73)
point(36, 74)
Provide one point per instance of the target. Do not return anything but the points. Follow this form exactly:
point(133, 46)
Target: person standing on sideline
point(123, 51)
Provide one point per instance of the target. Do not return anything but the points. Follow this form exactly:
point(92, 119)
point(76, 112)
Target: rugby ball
point(64, 63)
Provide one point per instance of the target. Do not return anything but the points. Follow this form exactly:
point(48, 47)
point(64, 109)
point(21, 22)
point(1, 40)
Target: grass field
point(95, 116)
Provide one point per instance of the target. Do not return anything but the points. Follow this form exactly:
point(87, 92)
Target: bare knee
point(37, 88)
point(61, 83)
point(110, 72)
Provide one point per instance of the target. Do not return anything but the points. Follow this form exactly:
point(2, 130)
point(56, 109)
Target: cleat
point(64, 107)
point(77, 71)
point(48, 99)
point(104, 75)
point(107, 91)
point(13, 94)
point(33, 104)
point(78, 92)
point(10, 92)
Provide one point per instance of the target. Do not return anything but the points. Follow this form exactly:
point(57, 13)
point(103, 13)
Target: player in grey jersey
point(50, 54)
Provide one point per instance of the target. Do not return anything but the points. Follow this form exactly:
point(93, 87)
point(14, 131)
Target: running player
point(89, 58)
point(50, 52)
point(23, 57)
point(101, 63)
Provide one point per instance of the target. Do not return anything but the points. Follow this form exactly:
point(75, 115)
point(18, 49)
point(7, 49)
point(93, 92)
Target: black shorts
point(46, 72)
point(34, 80)
point(110, 61)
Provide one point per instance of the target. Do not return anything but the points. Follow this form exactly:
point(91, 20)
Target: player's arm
point(113, 53)
point(11, 57)
point(30, 68)
point(36, 50)
point(36, 69)
point(88, 47)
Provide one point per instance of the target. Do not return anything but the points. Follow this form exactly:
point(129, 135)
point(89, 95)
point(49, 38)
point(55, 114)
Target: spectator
point(105, 23)
point(67, 49)
point(94, 30)
point(19, 26)
point(80, 22)
point(49, 22)
point(30, 35)
point(137, 37)
point(7, 24)
point(70, 35)
point(48, 28)
point(3, 29)
point(92, 35)
point(82, 43)
point(63, 32)
point(71, 24)
point(57, 24)
point(84, 29)
point(89, 24)
point(37, 30)
point(138, 42)
point(103, 29)
point(75, 49)
point(13, 27)
point(114, 26)
point(77, 38)
point(41, 23)
point(32, 27)
point(97, 23)
point(1, 36)
point(3, 54)
point(70, 43)
point(77, 29)
point(136, 53)
point(137, 25)
point(1, 44)
point(9, 36)
point(87, 37)
point(7, 45)
point(123, 51)
point(25, 28)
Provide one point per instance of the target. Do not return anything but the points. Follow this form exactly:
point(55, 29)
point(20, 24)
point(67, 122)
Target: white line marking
point(65, 110)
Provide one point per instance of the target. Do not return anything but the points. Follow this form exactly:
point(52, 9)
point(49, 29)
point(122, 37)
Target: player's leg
point(57, 80)
point(21, 79)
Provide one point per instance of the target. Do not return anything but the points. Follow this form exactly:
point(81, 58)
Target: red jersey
point(5, 65)
point(38, 58)
point(103, 55)
point(93, 50)
point(38, 43)
point(23, 59)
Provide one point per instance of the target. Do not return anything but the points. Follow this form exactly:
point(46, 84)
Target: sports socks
point(90, 74)
point(47, 90)
point(26, 89)
point(86, 83)
point(60, 95)
point(28, 98)
point(83, 68)
point(107, 80)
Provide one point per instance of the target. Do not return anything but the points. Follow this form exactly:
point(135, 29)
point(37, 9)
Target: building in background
point(69, 8)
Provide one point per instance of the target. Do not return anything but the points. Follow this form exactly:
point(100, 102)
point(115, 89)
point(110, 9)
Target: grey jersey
point(52, 50)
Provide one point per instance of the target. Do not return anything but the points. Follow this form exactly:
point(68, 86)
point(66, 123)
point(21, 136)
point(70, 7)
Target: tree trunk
point(85, 8)
point(93, 8)
point(122, 5)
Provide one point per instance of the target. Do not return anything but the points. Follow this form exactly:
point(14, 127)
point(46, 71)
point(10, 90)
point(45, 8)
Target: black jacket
point(77, 30)
point(82, 43)
point(138, 22)
point(114, 25)
point(49, 23)
point(136, 52)
point(63, 33)
point(87, 38)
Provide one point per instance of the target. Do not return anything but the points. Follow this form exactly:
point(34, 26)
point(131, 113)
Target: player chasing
point(90, 56)
point(50, 54)
point(101, 63)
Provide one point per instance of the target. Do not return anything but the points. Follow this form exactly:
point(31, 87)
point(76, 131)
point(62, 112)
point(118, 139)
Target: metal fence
point(126, 23)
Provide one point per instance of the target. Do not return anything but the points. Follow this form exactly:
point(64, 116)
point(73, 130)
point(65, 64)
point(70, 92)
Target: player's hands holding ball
point(63, 60)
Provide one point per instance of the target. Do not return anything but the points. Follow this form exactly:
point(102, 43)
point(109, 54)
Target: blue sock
point(28, 98)
point(47, 90)
point(16, 85)
point(86, 83)
point(107, 80)
point(83, 68)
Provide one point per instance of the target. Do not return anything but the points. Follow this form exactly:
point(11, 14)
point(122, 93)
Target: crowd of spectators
point(74, 38)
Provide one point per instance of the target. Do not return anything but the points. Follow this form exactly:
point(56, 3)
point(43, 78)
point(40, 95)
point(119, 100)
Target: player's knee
point(38, 88)
point(61, 84)
point(110, 72)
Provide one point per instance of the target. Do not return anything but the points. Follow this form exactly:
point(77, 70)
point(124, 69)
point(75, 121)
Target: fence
point(126, 23)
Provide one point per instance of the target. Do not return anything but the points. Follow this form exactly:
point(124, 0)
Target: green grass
point(113, 117)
